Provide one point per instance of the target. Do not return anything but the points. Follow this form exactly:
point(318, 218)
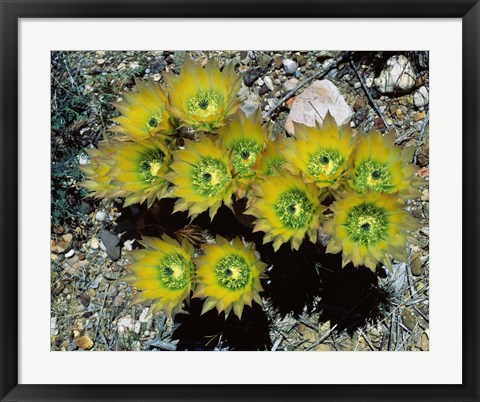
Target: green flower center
point(210, 177)
point(244, 155)
point(294, 209)
point(326, 162)
point(274, 165)
point(155, 120)
point(232, 272)
point(174, 272)
point(205, 103)
point(366, 224)
point(150, 164)
point(375, 176)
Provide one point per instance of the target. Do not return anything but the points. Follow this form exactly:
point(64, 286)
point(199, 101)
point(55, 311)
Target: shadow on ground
point(304, 280)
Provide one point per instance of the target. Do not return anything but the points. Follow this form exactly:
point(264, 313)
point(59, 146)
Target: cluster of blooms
point(351, 187)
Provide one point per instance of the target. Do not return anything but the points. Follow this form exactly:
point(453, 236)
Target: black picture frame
point(12, 11)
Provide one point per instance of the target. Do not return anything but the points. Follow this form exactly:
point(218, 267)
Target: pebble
point(419, 116)
point(100, 216)
point(408, 319)
point(269, 83)
point(250, 76)
point(70, 254)
point(100, 61)
point(290, 84)
point(94, 244)
point(84, 342)
point(111, 243)
point(156, 77)
point(289, 66)
point(357, 85)
point(421, 97)
point(398, 76)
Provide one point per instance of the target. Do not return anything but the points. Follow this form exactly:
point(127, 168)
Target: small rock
point(100, 216)
point(359, 104)
point(421, 97)
point(94, 244)
point(323, 348)
point(264, 60)
point(289, 66)
point(134, 65)
point(408, 319)
point(62, 244)
point(157, 77)
point(423, 343)
point(250, 76)
point(263, 90)
point(325, 55)
point(278, 62)
point(53, 326)
point(111, 243)
point(357, 85)
point(290, 84)
point(311, 106)
point(416, 265)
point(398, 76)
point(269, 83)
point(301, 59)
point(124, 323)
point(157, 67)
point(422, 160)
point(84, 342)
point(419, 116)
point(100, 61)
point(70, 254)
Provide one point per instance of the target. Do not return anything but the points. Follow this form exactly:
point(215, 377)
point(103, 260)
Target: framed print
point(256, 189)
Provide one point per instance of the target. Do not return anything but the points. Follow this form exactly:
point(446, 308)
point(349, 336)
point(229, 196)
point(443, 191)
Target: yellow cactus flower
point(202, 178)
point(244, 138)
point(379, 165)
point(133, 170)
point(144, 112)
point(203, 98)
point(321, 154)
point(286, 209)
point(271, 161)
point(368, 229)
point(163, 272)
point(228, 276)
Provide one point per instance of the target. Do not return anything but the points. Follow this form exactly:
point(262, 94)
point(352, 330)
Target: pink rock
point(313, 103)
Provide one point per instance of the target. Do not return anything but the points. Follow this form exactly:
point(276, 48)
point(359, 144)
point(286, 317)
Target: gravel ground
point(306, 306)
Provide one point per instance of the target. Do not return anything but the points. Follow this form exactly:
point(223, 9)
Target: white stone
point(124, 324)
point(420, 97)
point(100, 216)
point(70, 254)
point(311, 106)
point(398, 76)
point(289, 66)
point(259, 82)
point(269, 83)
point(94, 244)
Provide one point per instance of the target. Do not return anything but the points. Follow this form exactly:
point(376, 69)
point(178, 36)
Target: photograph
point(239, 200)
